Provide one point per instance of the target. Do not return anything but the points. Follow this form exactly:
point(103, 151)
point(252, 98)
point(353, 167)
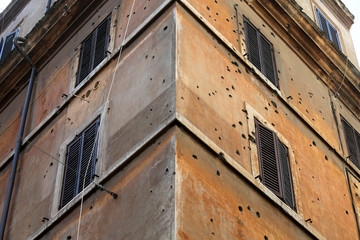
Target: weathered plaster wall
point(212, 92)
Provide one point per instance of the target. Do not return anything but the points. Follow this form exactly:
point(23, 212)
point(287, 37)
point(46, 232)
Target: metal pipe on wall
point(19, 137)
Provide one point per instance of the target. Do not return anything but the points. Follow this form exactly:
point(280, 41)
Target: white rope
point(342, 82)
point(97, 134)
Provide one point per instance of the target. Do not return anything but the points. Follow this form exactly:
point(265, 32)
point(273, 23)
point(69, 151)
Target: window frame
point(259, 37)
point(329, 26)
point(100, 113)
point(281, 193)
point(16, 32)
point(93, 51)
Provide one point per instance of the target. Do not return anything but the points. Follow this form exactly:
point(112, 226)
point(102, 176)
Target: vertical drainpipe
point(48, 6)
point(19, 137)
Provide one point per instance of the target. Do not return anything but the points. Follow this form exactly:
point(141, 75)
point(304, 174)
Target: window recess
point(81, 153)
point(352, 138)
point(328, 29)
point(274, 162)
point(93, 49)
point(7, 44)
point(260, 52)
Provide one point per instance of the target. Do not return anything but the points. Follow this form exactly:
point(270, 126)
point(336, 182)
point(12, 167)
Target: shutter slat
point(322, 23)
point(288, 193)
point(270, 168)
point(350, 142)
point(71, 172)
point(334, 36)
point(252, 45)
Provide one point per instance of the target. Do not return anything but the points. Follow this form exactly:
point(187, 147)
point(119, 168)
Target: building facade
point(187, 119)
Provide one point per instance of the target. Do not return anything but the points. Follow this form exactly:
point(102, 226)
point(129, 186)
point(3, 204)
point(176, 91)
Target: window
point(260, 52)
point(275, 171)
point(352, 138)
point(93, 49)
point(7, 44)
point(328, 29)
point(81, 154)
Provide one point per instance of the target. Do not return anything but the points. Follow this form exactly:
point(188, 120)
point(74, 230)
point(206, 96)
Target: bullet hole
point(266, 238)
point(326, 157)
point(306, 110)
point(243, 136)
point(289, 97)
point(258, 214)
point(276, 111)
point(347, 212)
point(194, 156)
point(273, 124)
point(164, 80)
point(166, 170)
point(235, 63)
point(232, 86)
point(217, 172)
point(249, 208)
point(234, 126)
point(240, 208)
point(162, 210)
point(314, 143)
point(227, 20)
point(197, 86)
point(274, 103)
point(144, 8)
point(227, 89)
point(150, 109)
point(150, 79)
point(88, 93)
point(51, 164)
point(210, 94)
point(211, 220)
point(198, 98)
point(165, 28)
point(171, 186)
point(240, 123)
point(318, 199)
point(153, 57)
point(237, 152)
point(215, 129)
point(313, 177)
point(182, 98)
point(313, 120)
point(150, 191)
point(230, 96)
point(222, 77)
point(68, 237)
point(266, 108)
point(219, 138)
point(96, 85)
point(207, 7)
point(212, 233)
point(52, 130)
point(146, 56)
point(91, 207)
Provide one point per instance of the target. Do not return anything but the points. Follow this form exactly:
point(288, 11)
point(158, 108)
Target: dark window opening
point(352, 138)
point(7, 44)
point(81, 154)
point(274, 162)
point(260, 52)
point(93, 49)
point(328, 29)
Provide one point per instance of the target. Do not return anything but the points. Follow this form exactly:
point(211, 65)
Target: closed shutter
point(286, 179)
point(69, 190)
point(88, 155)
point(81, 154)
point(102, 41)
point(252, 45)
point(8, 45)
point(267, 155)
point(85, 58)
point(260, 52)
point(268, 67)
point(93, 49)
point(350, 142)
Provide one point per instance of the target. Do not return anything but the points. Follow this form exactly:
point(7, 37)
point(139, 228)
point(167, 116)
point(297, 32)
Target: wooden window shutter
point(274, 162)
point(81, 154)
point(352, 142)
point(69, 189)
point(334, 36)
point(88, 155)
point(8, 44)
point(252, 44)
point(286, 178)
point(93, 49)
point(328, 29)
point(260, 52)
point(268, 66)
point(102, 41)
point(269, 167)
point(322, 22)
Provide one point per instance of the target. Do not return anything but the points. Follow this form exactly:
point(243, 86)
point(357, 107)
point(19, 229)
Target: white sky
point(352, 5)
